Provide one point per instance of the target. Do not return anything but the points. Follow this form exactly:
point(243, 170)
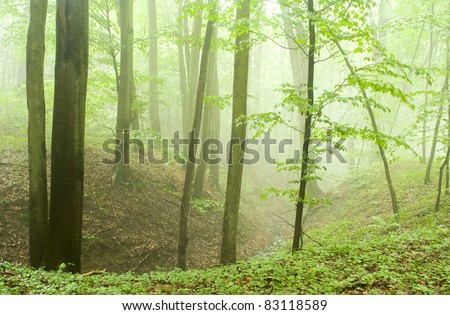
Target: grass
point(365, 251)
point(400, 263)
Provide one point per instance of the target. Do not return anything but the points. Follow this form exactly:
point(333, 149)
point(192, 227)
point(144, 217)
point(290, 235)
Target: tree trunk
point(183, 74)
point(155, 124)
point(37, 157)
point(206, 125)
point(187, 49)
point(445, 164)
point(122, 169)
point(189, 176)
point(67, 176)
point(297, 243)
point(193, 72)
point(214, 170)
point(375, 129)
point(425, 104)
point(199, 180)
point(238, 132)
point(434, 143)
point(441, 173)
point(298, 67)
point(447, 180)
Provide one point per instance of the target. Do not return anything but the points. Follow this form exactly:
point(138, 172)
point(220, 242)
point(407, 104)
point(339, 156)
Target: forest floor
point(131, 228)
point(353, 246)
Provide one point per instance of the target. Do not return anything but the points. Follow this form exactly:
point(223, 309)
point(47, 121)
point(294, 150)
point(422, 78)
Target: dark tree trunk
point(37, 160)
point(190, 169)
point(238, 132)
point(194, 64)
point(297, 243)
point(67, 177)
point(211, 90)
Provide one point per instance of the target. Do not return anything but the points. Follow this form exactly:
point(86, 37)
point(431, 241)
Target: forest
point(225, 147)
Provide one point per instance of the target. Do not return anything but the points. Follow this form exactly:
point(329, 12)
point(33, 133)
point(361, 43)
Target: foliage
point(375, 255)
point(207, 205)
point(375, 266)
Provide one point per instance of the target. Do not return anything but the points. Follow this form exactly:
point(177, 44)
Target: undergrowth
point(359, 253)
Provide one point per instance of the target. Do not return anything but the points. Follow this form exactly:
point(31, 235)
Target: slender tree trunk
point(187, 49)
point(199, 180)
point(297, 242)
point(238, 132)
point(183, 74)
point(445, 164)
point(441, 173)
point(425, 104)
point(298, 68)
point(112, 51)
point(375, 129)
point(214, 171)
point(437, 126)
point(193, 72)
point(434, 143)
point(206, 126)
point(122, 169)
point(37, 157)
point(155, 124)
point(447, 180)
point(190, 169)
point(5, 69)
point(67, 177)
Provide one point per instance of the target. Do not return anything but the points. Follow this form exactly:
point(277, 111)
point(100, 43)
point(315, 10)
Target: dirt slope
point(124, 228)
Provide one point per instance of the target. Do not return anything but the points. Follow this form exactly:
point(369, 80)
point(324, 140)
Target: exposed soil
point(127, 228)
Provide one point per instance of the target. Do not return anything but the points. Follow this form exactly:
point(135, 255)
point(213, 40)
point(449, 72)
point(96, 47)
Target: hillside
point(126, 228)
point(355, 247)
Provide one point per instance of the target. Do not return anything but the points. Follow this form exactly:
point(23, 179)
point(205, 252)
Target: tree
point(299, 68)
point(238, 132)
point(214, 170)
point(435, 139)
point(182, 67)
point(193, 69)
point(37, 157)
point(106, 37)
point(155, 124)
point(122, 169)
point(212, 92)
point(425, 104)
point(375, 129)
point(332, 20)
point(446, 162)
point(67, 177)
point(193, 135)
point(297, 242)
